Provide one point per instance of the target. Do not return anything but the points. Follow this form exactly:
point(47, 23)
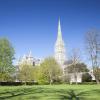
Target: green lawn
point(50, 92)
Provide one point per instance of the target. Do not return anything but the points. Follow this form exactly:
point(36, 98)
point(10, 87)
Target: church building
point(29, 60)
point(60, 52)
point(60, 56)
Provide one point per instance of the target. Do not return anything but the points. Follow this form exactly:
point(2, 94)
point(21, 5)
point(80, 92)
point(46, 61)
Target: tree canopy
point(79, 67)
point(6, 59)
point(49, 70)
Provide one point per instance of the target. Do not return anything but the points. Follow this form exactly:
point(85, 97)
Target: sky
point(32, 24)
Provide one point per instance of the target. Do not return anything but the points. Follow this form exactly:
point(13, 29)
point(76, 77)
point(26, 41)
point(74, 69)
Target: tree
point(86, 77)
point(74, 60)
point(96, 72)
point(75, 69)
point(93, 49)
point(26, 73)
point(6, 59)
point(49, 71)
point(79, 67)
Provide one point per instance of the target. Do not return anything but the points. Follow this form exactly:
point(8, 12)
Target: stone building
point(59, 50)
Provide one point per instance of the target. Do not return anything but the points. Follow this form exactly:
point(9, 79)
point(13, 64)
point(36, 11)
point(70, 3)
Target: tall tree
point(6, 59)
point(75, 58)
point(49, 70)
point(93, 48)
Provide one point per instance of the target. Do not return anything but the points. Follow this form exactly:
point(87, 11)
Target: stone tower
point(60, 48)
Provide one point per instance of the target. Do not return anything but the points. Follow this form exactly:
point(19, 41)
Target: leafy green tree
point(86, 77)
point(79, 67)
point(49, 71)
point(26, 73)
point(6, 59)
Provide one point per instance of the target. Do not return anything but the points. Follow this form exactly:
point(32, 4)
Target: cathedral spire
point(59, 30)
point(60, 51)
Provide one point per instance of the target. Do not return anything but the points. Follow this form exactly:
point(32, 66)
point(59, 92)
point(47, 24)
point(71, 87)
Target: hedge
point(17, 83)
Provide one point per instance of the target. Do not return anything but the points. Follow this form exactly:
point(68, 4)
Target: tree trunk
point(76, 78)
point(97, 81)
point(51, 81)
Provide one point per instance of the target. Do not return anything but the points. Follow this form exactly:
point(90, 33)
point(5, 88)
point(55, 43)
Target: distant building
point(77, 77)
point(60, 52)
point(60, 57)
point(91, 73)
point(29, 60)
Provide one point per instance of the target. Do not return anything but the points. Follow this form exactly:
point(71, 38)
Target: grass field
point(50, 92)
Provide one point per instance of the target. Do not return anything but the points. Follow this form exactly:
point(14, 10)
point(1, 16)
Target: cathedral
point(59, 55)
point(29, 60)
point(60, 52)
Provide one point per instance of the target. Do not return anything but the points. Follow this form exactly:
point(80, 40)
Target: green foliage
point(12, 83)
point(6, 58)
point(49, 71)
point(79, 67)
point(86, 77)
point(5, 76)
point(26, 73)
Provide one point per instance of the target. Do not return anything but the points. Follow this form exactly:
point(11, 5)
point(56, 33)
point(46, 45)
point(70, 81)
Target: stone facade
point(29, 60)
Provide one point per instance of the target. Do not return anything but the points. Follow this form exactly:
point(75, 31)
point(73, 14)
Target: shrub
point(89, 83)
point(86, 77)
point(17, 83)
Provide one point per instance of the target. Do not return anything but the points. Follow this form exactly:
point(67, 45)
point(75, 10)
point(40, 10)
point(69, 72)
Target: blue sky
point(32, 24)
